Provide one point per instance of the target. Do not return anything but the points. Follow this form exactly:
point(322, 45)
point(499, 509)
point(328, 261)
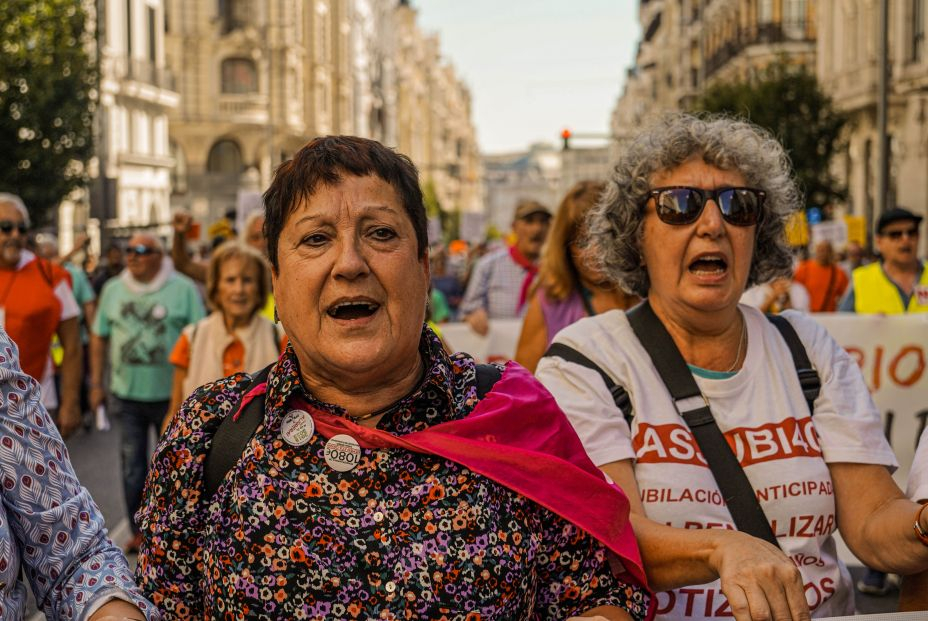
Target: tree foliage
point(788, 101)
point(47, 91)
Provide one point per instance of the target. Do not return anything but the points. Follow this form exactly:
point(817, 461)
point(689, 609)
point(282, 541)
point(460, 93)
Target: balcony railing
point(762, 34)
point(144, 71)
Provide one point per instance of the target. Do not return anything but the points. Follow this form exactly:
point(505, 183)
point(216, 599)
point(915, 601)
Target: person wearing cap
point(498, 288)
point(898, 282)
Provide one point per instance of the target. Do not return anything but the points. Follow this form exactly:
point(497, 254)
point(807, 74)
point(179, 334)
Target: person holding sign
point(744, 443)
point(370, 479)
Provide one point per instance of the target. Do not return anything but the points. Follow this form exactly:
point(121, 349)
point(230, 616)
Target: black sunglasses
point(897, 235)
point(679, 205)
point(141, 250)
point(7, 226)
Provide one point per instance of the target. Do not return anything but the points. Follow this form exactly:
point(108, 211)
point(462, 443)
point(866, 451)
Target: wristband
point(919, 531)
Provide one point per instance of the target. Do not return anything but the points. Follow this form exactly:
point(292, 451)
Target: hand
point(81, 240)
point(759, 581)
point(780, 286)
point(478, 321)
point(69, 420)
point(181, 221)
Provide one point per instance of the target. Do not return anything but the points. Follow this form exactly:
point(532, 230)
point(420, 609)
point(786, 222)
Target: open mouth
point(352, 310)
point(709, 265)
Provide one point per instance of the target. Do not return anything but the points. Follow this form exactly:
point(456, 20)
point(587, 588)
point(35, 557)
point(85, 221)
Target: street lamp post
point(882, 179)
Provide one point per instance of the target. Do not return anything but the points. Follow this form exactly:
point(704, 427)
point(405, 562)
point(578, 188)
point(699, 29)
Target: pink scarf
point(519, 437)
point(530, 271)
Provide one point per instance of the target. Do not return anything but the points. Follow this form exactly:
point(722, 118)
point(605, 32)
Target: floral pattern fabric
point(403, 535)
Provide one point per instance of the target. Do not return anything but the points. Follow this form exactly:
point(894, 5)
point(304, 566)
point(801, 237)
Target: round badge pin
point(342, 453)
point(297, 427)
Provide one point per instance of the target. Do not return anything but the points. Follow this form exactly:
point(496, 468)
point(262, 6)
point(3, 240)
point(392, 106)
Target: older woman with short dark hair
point(738, 471)
point(380, 477)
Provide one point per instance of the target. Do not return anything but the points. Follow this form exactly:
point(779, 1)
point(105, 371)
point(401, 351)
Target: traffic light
point(565, 135)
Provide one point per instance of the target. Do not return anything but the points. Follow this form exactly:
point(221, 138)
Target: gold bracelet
point(919, 531)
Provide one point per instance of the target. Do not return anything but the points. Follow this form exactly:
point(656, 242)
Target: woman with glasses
point(567, 288)
point(737, 482)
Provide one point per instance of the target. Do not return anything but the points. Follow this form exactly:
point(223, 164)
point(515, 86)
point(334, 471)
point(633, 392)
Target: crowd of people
point(324, 455)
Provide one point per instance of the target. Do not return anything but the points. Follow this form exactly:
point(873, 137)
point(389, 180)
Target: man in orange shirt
point(36, 303)
point(825, 281)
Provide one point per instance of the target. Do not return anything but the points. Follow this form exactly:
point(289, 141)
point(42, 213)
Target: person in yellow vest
point(898, 282)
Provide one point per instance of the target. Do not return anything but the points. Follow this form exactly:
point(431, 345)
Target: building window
point(918, 30)
point(152, 36)
point(765, 11)
point(794, 18)
point(233, 14)
point(239, 75)
point(225, 157)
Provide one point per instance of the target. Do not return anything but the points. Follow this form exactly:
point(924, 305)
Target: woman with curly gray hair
point(739, 467)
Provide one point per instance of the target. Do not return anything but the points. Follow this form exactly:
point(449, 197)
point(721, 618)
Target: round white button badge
point(297, 427)
point(342, 453)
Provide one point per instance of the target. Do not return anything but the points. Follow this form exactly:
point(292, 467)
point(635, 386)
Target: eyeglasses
point(679, 205)
point(141, 250)
point(7, 226)
point(897, 235)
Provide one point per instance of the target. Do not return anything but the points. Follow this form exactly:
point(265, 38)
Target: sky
point(536, 67)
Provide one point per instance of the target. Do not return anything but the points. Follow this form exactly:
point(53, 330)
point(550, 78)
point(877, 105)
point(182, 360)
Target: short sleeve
point(846, 419)
point(69, 307)
point(180, 355)
point(582, 394)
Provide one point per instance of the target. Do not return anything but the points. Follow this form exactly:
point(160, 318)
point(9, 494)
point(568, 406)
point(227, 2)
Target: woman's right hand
point(759, 581)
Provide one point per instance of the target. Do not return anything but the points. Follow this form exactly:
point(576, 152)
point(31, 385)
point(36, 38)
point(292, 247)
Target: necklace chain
point(741, 341)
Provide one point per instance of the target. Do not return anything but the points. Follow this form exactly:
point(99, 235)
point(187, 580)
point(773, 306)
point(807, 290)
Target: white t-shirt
point(761, 411)
point(917, 488)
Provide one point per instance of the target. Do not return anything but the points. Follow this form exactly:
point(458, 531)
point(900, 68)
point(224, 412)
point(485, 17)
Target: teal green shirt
point(142, 330)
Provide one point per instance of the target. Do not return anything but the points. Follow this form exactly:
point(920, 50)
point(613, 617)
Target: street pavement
point(95, 456)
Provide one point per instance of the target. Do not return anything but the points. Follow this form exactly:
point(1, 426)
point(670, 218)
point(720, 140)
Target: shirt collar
point(433, 395)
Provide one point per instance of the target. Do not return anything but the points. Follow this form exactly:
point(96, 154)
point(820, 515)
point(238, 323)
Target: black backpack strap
point(619, 394)
point(487, 376)
point(232, 437)
point(808, 377)
point(729, 476)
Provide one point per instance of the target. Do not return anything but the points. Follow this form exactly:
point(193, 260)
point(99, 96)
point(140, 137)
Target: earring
point(276, 316)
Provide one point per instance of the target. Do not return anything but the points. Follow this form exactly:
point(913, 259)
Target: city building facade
point(259, 79)
point(848, 69)
point(687, 45)
point(131, 173)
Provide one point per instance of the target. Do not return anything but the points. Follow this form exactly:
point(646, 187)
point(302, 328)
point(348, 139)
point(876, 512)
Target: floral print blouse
point(403, 535)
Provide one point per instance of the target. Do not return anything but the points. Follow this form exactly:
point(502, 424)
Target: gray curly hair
point(614, 225)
